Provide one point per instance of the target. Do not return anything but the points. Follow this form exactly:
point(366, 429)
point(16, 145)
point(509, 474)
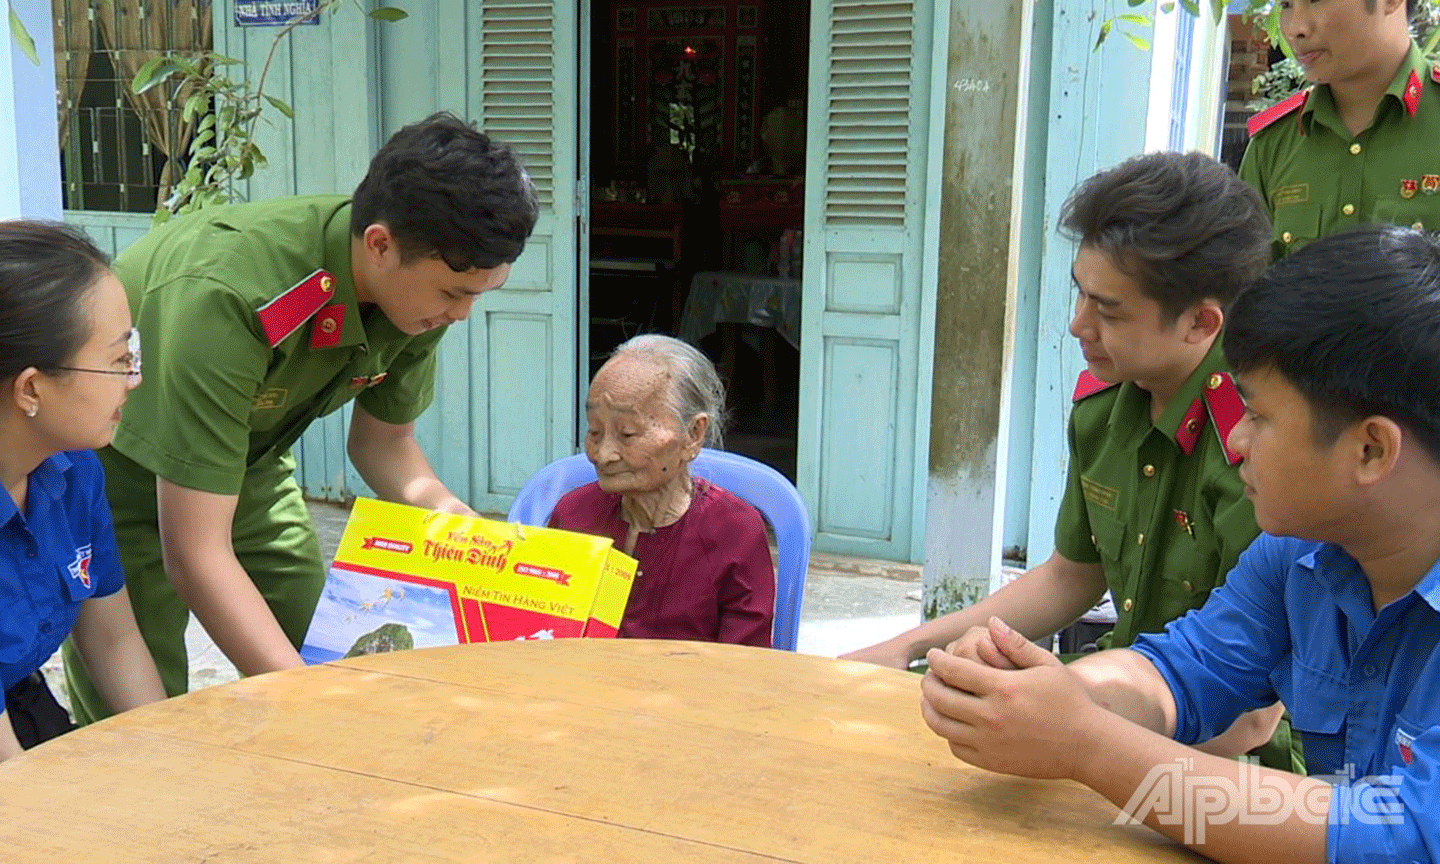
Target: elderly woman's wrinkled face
point(634, 439)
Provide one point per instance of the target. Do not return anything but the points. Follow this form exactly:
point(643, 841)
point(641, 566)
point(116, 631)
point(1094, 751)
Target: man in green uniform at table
point(1363, 144)
point(255, 320)
point(1154, 509)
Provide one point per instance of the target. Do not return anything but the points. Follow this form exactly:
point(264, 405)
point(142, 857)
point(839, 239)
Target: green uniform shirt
point(218, 397)
point(1165, 524)
point(1317, 179)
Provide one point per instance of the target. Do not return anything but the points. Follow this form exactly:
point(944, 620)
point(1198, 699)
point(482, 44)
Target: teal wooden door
point(867, 329)
point(510, 383)
point(505, 392)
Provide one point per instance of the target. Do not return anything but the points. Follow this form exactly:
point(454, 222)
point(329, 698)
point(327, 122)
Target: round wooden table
point(570, 750)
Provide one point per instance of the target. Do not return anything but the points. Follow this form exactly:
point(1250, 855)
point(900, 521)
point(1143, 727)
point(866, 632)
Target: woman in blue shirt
point(68, 357)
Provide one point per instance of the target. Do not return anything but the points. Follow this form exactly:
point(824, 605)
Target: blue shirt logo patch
point(1405, 742)
point(80, 567)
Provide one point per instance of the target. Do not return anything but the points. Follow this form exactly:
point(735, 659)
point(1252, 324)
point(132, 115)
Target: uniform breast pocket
point(1296, 225)
point(1317, 705)
point(1421, 212)
point(1109, 537)
point(1191, 562)
point(337, 397)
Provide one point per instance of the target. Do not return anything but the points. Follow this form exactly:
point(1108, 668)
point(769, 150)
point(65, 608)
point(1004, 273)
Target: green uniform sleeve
point(409, 384)
point(1072, 525)
point(204, 359)
point(1250, 173)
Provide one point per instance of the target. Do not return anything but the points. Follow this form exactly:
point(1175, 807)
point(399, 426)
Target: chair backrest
point(763, 487)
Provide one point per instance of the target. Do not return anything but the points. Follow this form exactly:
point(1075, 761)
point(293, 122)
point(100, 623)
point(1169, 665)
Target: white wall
point(29, 134)
point(1187, 83)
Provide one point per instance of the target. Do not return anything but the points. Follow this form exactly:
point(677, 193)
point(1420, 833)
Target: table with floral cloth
point(718, 297)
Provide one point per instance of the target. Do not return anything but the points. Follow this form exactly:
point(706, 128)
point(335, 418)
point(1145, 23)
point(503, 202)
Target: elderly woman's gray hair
point(695, 386)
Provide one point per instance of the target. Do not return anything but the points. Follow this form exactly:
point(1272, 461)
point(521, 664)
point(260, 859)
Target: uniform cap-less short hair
point(449, 191)
point(1182, 225)
point(1352, 321)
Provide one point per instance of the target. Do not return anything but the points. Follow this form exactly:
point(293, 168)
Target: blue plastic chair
point(763, 487)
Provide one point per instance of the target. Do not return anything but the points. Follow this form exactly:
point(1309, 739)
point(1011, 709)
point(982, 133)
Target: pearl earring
point(31, 411)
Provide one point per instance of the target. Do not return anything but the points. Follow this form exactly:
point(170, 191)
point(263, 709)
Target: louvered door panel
point(865, 370)
point(517, 84)
point(505, 389)
point(523, 366)
point(870, 76)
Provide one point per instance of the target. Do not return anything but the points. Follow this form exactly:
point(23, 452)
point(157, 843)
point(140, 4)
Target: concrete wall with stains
point(987, 74)
point(1034, 108)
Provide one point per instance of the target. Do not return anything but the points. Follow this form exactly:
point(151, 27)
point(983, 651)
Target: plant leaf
point(280, 106)
point(1138, 42)
point(1104, 31)
point(1191, 6)
point(193, 106)
point(154, 72)
point(389, 13)
point(1139, 20)
point(22, 36)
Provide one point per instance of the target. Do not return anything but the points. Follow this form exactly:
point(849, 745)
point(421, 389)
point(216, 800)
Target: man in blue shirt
point(1335, 609)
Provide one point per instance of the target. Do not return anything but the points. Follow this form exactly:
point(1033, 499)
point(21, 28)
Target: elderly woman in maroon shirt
point(705, 569)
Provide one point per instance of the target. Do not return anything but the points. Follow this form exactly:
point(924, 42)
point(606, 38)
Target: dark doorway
point(697, 173)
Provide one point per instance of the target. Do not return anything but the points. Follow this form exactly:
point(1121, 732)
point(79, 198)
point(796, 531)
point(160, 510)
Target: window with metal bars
point(121, 151)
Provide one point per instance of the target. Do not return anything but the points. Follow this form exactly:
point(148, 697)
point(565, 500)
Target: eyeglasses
point(131, 371)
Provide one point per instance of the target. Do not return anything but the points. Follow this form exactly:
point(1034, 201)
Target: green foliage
point(22, 36)
point(1123, 24)
point(1276, 83)
point(223, 150)
point(1265, 11)
point(1287, 77)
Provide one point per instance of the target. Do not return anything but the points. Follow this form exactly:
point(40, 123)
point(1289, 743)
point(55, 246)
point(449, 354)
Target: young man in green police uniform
point(258, 318)
point(1363, 144)
point(1154, 509)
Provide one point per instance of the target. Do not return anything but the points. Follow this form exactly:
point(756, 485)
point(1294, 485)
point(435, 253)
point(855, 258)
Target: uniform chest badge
point(80, 567)
point(1183, 520)
point(1408, 188)
point(1406, 744)
point(270, 399)
point(1430, 184)
point(360, 381)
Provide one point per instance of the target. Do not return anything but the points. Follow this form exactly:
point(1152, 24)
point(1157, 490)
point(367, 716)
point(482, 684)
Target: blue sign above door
point(273, 13)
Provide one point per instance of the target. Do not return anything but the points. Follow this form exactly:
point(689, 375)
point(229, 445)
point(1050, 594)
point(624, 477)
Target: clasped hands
point(1007, 705)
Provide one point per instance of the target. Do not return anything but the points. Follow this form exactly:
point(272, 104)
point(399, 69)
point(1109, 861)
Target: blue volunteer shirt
point(1295, 620)
point(53, 557)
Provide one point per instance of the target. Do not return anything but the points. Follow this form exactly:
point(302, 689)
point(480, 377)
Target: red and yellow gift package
point(405, 577)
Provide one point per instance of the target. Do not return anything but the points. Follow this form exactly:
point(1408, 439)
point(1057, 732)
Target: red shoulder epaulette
point(292, 308)
point(1267, 117)
point(1226, 409)
point(1089, 385)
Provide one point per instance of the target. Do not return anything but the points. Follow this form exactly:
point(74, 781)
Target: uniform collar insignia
point(1413, 91)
